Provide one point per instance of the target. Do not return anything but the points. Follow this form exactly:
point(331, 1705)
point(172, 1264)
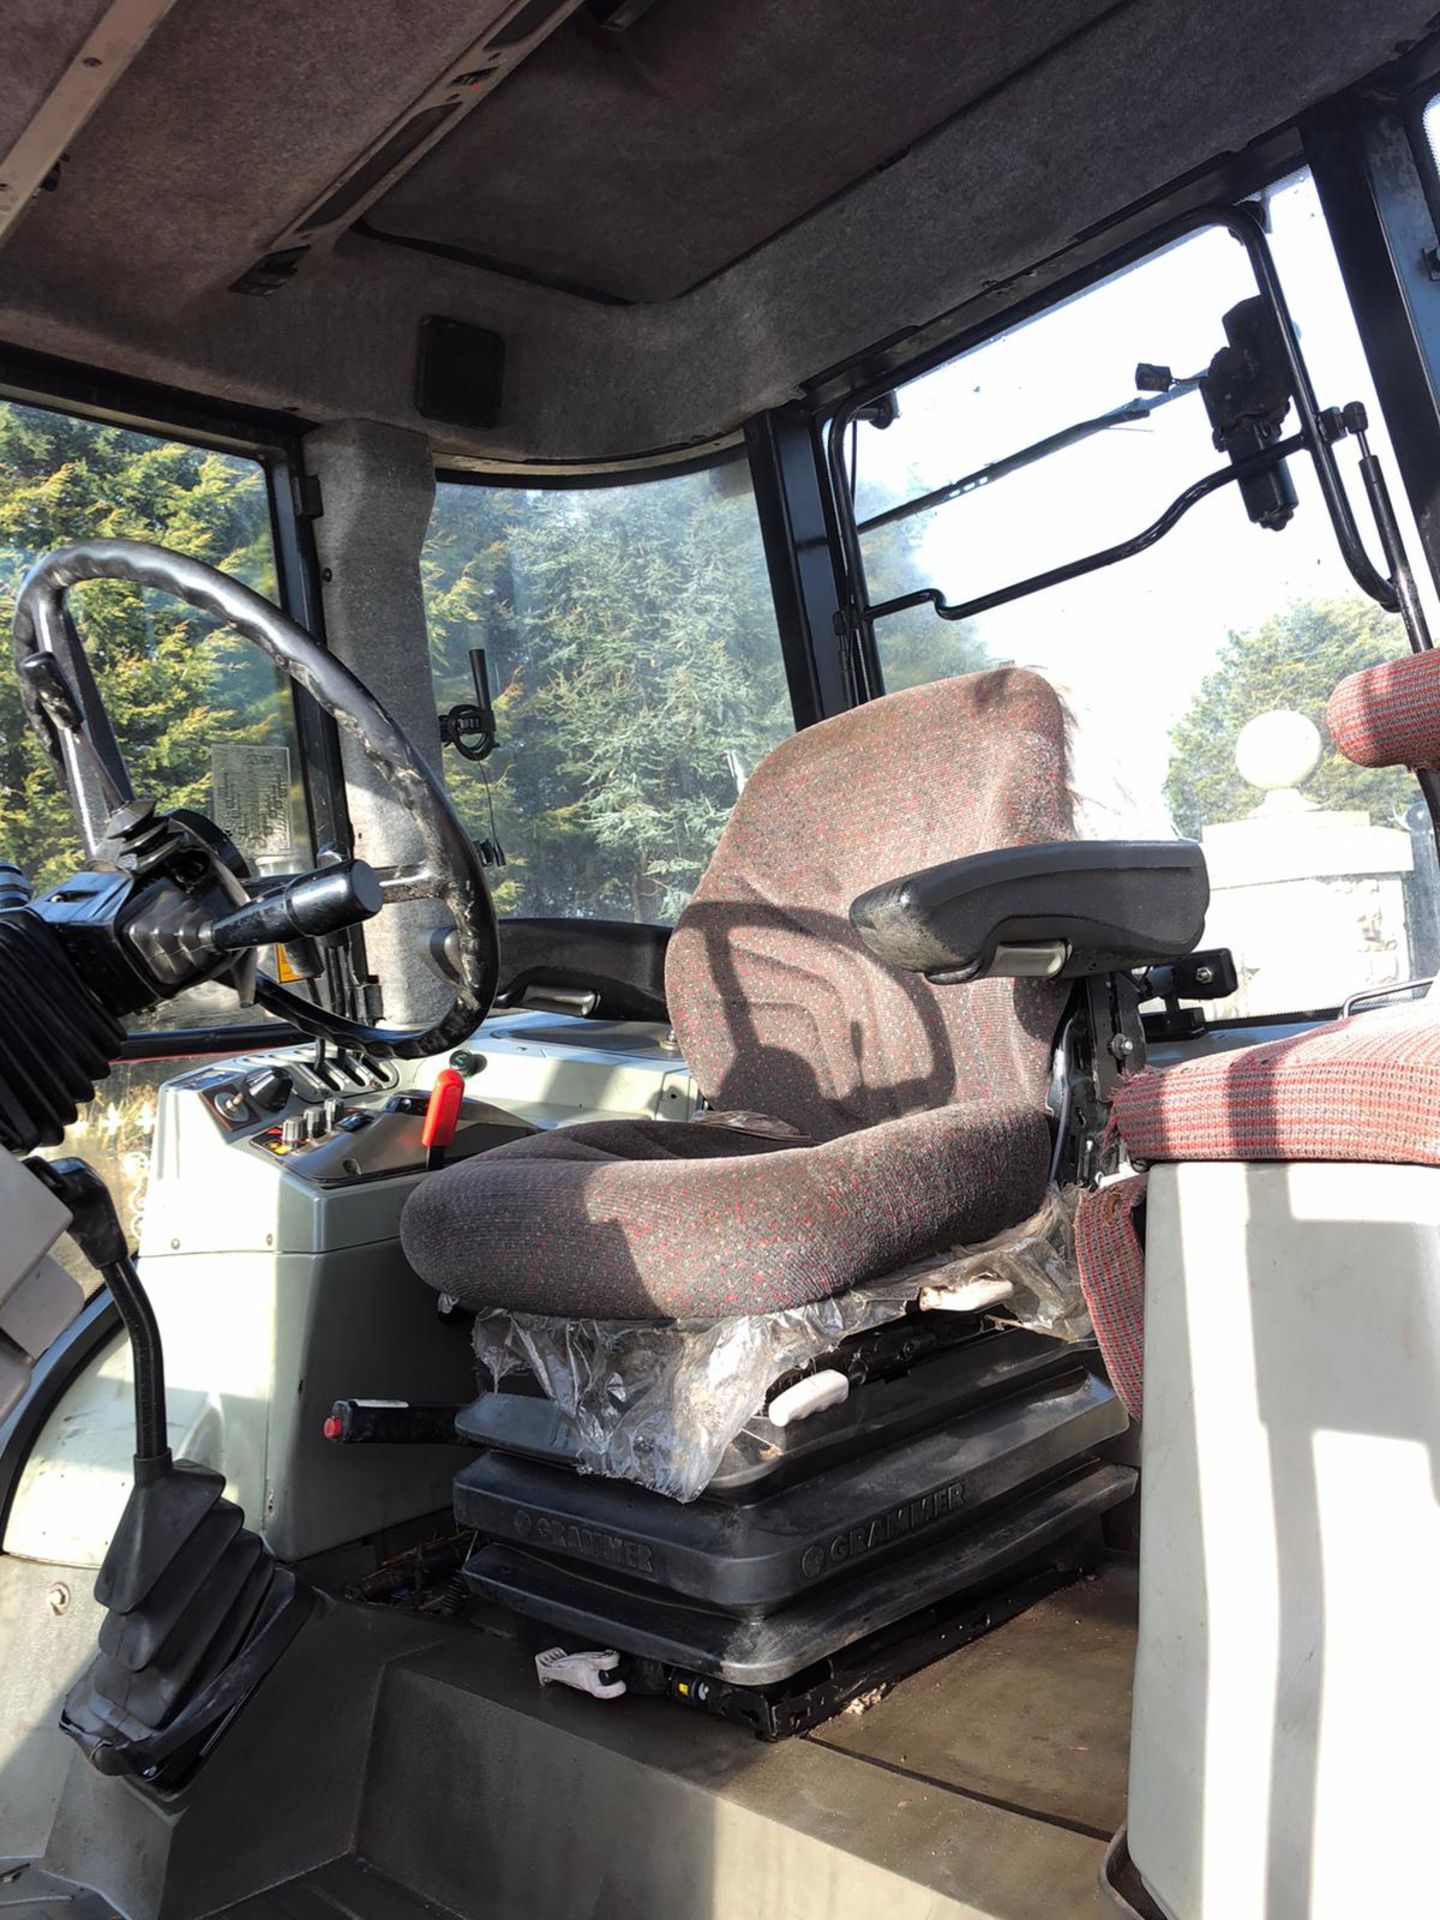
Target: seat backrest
point(777, 1005)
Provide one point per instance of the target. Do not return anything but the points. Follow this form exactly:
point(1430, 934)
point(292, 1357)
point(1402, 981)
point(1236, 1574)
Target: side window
point(201, 716)
point(1198, 671)
point(636, 672)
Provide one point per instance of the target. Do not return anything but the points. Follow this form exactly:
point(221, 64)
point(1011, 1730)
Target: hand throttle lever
point(315, 903)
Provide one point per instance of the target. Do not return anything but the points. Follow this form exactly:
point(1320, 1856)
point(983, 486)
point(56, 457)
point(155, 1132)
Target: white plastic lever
point(965, 1296)
point(813, 1394)
point(582, 1671)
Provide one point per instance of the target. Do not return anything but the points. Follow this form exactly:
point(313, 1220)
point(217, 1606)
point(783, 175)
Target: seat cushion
point(659, 1220)
point(1367, 1088)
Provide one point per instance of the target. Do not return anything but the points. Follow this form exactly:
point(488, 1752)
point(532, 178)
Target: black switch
point(269, 1087)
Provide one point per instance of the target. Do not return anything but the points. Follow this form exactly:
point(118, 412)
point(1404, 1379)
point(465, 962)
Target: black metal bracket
point(1104, 557)
point(1313, 437)
point(470, 726)
point(1380, 194)
point(1102, 1039)
point(800, 531)
point(1208, 974)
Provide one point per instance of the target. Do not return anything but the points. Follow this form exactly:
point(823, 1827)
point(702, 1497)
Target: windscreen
point(636, 674)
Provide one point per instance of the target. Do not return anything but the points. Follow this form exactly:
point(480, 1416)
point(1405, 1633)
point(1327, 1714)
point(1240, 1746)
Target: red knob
point(443, 1113)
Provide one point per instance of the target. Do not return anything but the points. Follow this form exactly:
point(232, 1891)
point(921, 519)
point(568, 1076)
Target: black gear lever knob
point(315, 903)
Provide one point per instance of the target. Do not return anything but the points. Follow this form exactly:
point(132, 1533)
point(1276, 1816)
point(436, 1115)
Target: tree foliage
point(173, 683)
point(915, 646)
point(1295, 659)
point(631, 638)
point(633, 653)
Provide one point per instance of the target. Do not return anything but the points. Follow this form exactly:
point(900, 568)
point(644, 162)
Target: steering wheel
point(450, 870)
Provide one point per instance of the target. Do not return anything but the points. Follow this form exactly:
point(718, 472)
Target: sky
point(1134, 641)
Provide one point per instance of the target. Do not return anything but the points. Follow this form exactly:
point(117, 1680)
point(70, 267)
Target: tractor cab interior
point(718, 912)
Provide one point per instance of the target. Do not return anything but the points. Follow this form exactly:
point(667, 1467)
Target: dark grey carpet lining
point(413, 191)
point(641, 164)
point(41, 38)
point(220, 132)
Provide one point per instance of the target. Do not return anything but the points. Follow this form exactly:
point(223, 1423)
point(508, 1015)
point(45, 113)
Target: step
point(489, 1797)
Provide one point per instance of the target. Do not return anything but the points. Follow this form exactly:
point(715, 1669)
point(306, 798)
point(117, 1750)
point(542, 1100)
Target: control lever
point(198, 1610)
point(412, 1423)
point(442, 1116)
point(314, 904)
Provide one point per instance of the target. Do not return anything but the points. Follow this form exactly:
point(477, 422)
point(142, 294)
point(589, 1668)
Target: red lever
point(442, 1115)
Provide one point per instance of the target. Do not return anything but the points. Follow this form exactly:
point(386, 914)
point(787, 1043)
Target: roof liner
point(639, 164)
point(817, 187)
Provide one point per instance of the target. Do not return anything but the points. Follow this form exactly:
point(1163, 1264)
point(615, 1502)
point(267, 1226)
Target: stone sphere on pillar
point(1278, 750)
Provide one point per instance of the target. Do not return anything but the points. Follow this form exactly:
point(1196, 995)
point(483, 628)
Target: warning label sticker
point(251, 800)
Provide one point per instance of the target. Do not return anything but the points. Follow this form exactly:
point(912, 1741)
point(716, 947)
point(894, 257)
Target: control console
point(337, 1119)
point(340, 1143)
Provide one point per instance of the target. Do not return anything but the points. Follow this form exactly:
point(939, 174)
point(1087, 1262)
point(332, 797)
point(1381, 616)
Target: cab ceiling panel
point(673, 212)
point(634, 164)
point(60, 58)
point(34, 61)
point(236, 120)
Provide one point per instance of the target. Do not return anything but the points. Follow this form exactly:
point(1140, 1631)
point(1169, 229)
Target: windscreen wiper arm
point(1132, 411)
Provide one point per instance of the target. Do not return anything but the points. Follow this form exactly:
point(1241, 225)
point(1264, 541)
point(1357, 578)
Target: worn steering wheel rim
point(451, 871)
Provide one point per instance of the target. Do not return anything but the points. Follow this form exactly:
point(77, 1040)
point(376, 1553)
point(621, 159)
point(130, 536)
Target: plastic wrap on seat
point(658, 1404)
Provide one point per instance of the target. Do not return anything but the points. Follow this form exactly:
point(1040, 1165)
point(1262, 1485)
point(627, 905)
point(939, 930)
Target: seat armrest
point(1061, 909)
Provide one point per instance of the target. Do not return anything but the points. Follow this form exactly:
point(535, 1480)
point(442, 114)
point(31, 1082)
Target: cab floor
point(986, 1785)
point(1034, 1717)
point(983, 1788)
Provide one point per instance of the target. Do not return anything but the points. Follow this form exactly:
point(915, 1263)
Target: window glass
point(637, 679)
point(1323, 873)
point(202, 717)
point(1432, 128)
point(113, 1135)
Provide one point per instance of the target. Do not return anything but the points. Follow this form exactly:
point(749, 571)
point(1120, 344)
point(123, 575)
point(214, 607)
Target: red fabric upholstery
point(1111, 1259)
point(926, 1104)
point(1367, 1088)
point(777, 1004)
point(653, 1219)
point(1389, 715)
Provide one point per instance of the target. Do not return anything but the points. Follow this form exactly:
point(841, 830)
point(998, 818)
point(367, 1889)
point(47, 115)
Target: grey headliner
point(620, 162)
point(851, 190)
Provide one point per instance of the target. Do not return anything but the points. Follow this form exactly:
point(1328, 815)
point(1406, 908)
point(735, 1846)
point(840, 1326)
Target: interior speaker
point(459, 370)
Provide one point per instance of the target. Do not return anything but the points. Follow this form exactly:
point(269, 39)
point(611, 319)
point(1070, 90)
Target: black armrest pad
point(1112, 904)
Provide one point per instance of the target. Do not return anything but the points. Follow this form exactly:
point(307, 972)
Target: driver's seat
point(910, 1117)
point(864, 1120)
